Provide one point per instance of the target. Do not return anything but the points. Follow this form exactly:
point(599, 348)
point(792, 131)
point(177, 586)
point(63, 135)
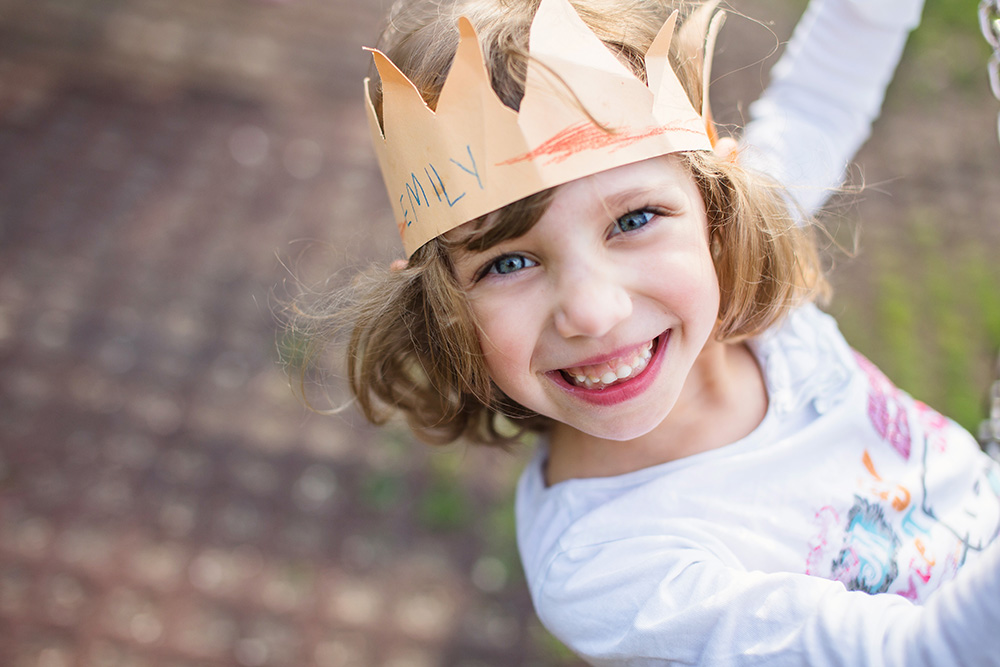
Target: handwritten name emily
point(415, 195)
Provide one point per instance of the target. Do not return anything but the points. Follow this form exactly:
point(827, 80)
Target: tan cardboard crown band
point(583, 112)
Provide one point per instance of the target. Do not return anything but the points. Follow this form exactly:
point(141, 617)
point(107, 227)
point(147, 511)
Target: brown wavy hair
point(412, 344)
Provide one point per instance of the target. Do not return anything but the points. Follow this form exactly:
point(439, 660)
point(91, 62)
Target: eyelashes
point(505, 265)
point(633, 220)
point(510, 263)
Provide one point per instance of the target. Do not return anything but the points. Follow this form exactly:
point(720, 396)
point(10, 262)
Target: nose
point(590, 303)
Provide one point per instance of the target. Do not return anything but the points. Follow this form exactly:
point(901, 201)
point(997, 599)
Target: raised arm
point(825, 93)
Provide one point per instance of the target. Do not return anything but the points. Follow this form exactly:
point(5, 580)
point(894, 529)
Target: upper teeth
point(602, 375)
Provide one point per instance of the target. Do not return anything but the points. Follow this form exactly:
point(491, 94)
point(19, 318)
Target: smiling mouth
point(610, 373)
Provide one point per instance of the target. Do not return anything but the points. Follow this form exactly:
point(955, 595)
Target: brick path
point(164, 500)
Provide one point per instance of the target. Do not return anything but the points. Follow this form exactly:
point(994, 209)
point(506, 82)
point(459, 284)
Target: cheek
point(503, 340)
point(688, 281)
point(713, 294)
point(699, 303)
point(705, 274)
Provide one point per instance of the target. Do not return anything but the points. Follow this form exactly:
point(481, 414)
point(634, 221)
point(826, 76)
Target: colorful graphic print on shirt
point(894, 538)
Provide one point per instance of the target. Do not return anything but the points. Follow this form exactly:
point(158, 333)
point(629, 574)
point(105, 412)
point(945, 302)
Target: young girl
point(721, 479)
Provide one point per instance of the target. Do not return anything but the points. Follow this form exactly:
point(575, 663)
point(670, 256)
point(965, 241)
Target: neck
point(723, 400)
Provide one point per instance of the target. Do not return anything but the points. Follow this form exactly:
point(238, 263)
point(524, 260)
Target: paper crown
point(583, 112)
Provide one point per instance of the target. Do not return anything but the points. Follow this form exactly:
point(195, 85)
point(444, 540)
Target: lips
point(622, 389)
point(607, 373)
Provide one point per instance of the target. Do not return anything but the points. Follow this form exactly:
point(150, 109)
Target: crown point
point(559, 34)
point(399, 95)
point(658, 55)
point(706, 70)
point(697, 36)
point(468, 70)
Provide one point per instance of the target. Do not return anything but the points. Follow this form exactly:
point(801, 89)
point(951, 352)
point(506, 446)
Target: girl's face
point(596, 315)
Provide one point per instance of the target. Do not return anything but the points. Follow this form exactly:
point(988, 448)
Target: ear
point(726, 148)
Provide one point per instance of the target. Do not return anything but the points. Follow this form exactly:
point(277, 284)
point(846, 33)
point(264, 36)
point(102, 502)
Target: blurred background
point(168, 168)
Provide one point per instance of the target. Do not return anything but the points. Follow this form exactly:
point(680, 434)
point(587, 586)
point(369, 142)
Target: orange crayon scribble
point(867, 460)
point(923, 551)
point(586, 136)
point(902, 501)
point(902, 498)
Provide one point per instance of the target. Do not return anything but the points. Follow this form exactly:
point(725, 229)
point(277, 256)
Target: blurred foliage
point(936, 317)
point(554, 651)
point(499, 535)
point(444, 504)
point(947, 20)
point(382, 491)
point(947, 52)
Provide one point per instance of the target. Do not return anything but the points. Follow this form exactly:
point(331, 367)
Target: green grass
point(898, 319)
point(943, 20)
point(936, 322)
point(947, 49)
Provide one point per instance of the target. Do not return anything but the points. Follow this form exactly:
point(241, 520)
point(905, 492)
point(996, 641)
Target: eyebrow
point(625, 198)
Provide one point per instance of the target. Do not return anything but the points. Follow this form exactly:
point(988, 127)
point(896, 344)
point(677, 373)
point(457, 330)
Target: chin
point(618, 432)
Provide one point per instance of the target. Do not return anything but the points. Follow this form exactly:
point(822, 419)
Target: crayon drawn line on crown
point(585, 136)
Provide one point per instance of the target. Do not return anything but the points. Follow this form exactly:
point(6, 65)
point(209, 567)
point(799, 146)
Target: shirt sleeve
point(825, 93)
point(655, 601)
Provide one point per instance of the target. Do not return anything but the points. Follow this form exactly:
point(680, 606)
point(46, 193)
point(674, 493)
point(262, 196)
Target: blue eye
point(508, 264)
point(632, 221)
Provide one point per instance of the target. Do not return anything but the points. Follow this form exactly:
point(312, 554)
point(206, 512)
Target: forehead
point(663, 174)
point(608, 190)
